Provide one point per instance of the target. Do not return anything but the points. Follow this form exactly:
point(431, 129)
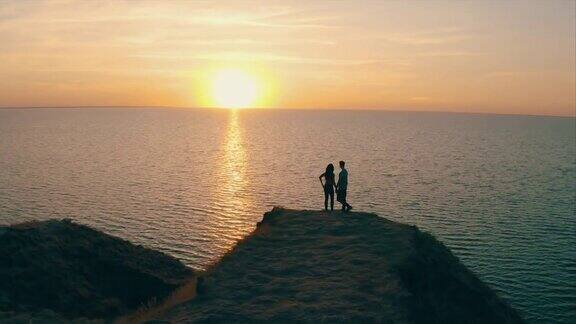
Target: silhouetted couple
point(330, 184)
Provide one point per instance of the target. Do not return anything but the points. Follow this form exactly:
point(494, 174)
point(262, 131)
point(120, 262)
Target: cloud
point(434, 37)
point(241, 20)
point(192, 41)
point(270, 17)
point(508, 75)
point(448, 54)
point(421, 99)
point(232, 56)
point(80, 12)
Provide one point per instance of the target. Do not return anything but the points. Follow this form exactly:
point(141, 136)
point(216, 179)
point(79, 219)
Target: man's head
point(342, 163)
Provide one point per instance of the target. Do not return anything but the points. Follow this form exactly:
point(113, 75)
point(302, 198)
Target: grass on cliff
point(77, 272)
point(310, 266)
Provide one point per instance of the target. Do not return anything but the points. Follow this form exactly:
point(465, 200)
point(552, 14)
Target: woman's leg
point(325, 200)
point(332, 200)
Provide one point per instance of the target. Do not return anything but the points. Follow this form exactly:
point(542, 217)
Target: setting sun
point(234, 89)
point(185, 141)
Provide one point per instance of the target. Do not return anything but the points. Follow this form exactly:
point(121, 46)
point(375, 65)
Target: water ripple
point(498, 190)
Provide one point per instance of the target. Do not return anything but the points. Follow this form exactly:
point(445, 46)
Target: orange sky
point(469, 56)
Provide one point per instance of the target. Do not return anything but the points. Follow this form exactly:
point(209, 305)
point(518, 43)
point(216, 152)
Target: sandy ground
point(312, 266)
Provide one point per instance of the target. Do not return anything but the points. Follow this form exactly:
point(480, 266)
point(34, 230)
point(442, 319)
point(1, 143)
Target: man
point(341, 188)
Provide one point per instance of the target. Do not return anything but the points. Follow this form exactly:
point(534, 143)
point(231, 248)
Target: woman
point(329, 186)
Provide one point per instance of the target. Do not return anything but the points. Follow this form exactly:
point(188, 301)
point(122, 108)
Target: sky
point(509, 57)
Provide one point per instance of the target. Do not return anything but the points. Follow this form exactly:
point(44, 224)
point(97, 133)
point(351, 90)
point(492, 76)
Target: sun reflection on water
point(234, 183)
point(234, 156)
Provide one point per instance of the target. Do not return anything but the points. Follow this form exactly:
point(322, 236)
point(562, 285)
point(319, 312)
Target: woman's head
point(330, 169)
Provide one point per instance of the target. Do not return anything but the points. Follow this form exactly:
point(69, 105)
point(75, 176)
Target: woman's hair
point(330, 169)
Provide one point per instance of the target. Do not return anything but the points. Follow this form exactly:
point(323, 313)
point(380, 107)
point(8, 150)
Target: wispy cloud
point(506, 74)
point(174, 13)
point(271, 17)
point(434, 37)
point(448, 54)
point(268, 57)
point(191, 41)
point(421, 99)
point(240, 20)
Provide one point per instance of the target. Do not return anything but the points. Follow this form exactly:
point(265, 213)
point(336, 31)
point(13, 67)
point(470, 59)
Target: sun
point(233, 88)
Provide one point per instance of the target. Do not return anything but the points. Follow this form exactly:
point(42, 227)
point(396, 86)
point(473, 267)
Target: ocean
point(498, 190)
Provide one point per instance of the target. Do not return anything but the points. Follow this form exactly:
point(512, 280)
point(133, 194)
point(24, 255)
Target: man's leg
point(345, 205)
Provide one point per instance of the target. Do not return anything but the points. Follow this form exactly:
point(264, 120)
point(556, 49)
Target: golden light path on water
point(235, 156)
point(234, 200)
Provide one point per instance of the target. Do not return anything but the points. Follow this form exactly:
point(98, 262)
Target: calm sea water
point(498, 190)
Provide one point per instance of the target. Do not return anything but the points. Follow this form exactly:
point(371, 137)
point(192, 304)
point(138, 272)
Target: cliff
point(304, 266)
point(58, 270)
point(312, 266)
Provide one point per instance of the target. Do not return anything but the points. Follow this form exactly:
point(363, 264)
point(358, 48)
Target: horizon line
point(280, 108)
